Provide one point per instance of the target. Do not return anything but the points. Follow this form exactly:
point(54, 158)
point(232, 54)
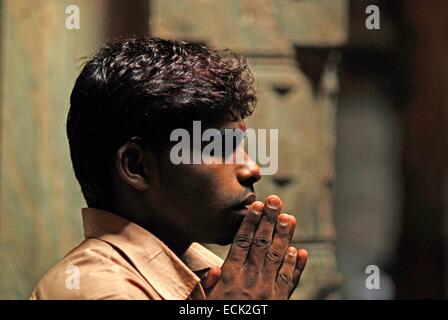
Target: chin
point(223, 241)
point(216, 238)
point(224, 233)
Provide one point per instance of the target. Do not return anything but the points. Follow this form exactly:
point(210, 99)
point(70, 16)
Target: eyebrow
point(242, 127)
point(223, 132)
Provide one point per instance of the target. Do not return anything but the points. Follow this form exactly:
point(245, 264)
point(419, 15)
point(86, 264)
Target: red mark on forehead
point(243, 126)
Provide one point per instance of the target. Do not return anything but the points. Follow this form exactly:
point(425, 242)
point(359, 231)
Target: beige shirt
point(121, 260)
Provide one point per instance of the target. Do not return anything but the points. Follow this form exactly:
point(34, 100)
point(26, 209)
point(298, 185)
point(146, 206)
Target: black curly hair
point(146, 88)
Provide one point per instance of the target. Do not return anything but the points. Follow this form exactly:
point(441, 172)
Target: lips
point(245, 203)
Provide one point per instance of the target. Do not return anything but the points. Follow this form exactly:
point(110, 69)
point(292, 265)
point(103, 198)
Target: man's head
point(126, 102)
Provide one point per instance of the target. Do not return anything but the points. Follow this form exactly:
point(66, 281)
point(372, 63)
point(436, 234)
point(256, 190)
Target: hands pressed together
point(260, 264)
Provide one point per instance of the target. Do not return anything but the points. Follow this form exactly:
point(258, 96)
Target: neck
point(170, 237)
point(178, 247)
point(173, 239)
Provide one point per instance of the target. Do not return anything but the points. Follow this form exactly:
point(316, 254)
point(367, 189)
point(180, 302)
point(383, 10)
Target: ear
point(130, 165)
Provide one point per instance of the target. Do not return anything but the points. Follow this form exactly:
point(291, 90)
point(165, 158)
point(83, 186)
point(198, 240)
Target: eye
point(230, 140)
point(235, 137)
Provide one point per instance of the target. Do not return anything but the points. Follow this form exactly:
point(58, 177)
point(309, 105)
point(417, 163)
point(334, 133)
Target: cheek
point(206, 185)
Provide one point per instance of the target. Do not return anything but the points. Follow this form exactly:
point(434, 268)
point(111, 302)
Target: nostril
point(282, 181)
point(252, 180)
point(249, 182)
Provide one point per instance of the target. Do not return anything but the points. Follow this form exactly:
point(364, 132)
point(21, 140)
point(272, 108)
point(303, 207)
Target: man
point(145, 214)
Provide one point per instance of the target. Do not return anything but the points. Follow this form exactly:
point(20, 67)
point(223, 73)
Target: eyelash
point(223, 145)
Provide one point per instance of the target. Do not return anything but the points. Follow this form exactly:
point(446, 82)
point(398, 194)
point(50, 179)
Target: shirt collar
point(172, 277)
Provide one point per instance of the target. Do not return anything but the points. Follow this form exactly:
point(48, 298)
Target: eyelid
point(223, 133)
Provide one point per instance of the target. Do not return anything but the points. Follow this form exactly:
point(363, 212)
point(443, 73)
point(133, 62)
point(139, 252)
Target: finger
point(285, 275)
point(302, 258)
point(211, 278)
point(293, 226)
point(263, 236)
point(238, 251)
point(276, 252)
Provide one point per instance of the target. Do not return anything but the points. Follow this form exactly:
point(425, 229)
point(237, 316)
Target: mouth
point(243, 206)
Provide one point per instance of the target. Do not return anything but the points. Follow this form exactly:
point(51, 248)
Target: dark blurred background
point(361, 114)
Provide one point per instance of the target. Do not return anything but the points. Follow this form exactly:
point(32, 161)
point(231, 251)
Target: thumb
point(211, 277)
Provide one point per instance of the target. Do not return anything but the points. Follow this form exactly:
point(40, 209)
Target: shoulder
point(93, 270)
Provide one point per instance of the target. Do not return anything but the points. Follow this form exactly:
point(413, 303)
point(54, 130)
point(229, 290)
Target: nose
point(249, 173)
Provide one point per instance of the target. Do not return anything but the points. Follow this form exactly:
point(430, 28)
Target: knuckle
point(226, 277)
point(291, 262)
point(242, 241)
point(270, 217)
point(285, 277)
point(247, 295)
point(264, 295)
point(274, 256)
point(262, 242)
point(227, 274)
point(251, 220)
point(251, 279)
point(282, 232)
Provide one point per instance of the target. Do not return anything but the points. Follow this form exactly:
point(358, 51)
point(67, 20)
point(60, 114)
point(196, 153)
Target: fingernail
point(273, 203)
point(257, 207)
point(292, 251)
point(303, 252)
point(284, 220)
